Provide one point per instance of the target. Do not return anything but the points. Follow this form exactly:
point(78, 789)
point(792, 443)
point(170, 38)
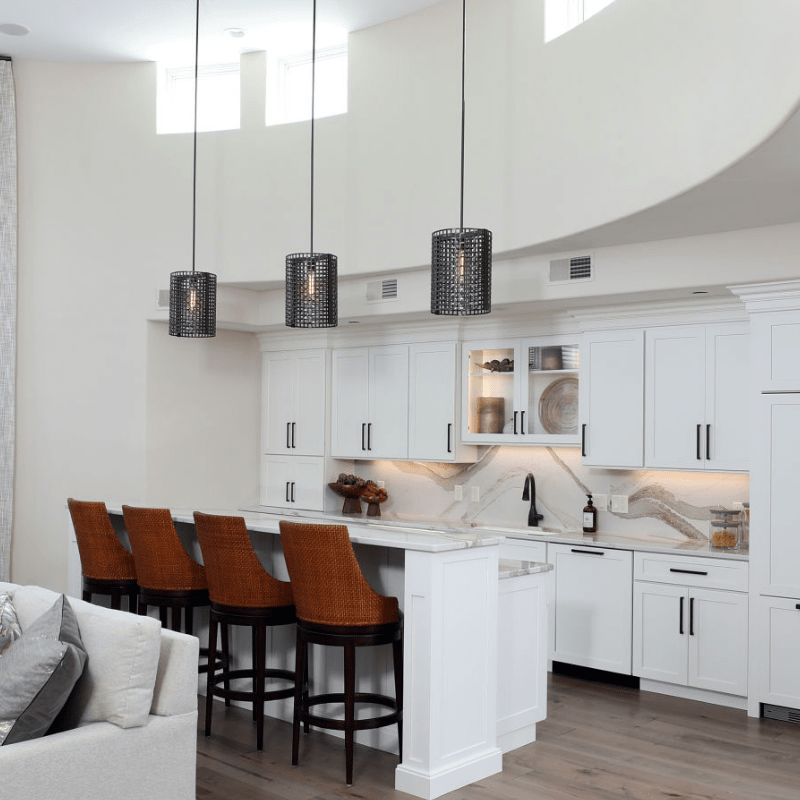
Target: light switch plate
point(381, 484)
point(475, 494)
point(459, 492)
point(600, 501)
point(619, 503)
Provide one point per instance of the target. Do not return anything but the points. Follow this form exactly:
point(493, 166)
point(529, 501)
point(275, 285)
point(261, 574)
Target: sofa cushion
point(38, 673)
point(9, 624)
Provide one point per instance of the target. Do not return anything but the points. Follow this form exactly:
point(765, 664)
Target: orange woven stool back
point(234, 573)
point(328, 585)
point(102, 556)
point(161, 561)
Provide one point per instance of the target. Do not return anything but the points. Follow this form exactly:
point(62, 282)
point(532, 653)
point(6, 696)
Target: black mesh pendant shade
point(311, 290)
point(193, 304)
point(461, 272)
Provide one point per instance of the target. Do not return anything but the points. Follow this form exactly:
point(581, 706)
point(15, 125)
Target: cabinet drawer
point(523, 550)
point(710, 573)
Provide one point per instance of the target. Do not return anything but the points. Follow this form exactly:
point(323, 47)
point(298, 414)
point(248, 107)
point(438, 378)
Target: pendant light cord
point(463, 101)
point(313, 89)
point(194, 141)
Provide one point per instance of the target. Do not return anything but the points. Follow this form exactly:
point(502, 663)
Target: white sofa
point(135, 707)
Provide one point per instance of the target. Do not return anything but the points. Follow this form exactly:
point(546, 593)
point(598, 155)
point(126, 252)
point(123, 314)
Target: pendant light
point(193, 295)
point(461, 258)
point(311, 278)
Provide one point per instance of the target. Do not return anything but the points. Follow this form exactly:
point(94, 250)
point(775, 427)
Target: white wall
point(673, 92)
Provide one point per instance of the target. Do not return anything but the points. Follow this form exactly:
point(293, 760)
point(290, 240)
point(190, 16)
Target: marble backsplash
point(661, 503)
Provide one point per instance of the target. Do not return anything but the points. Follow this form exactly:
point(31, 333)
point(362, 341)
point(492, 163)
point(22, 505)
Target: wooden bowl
point(351, 494)
point(374, 506)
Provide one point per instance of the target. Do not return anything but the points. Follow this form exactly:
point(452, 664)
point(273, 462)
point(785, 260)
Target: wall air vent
point(566, 270)
point(781, 713)
point(162, 299)
point(383, 291)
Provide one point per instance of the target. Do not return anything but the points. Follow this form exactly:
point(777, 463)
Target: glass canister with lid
point(726, 528)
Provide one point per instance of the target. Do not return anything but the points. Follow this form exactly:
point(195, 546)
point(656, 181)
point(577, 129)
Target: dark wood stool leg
point(87, 596)
point(143, 609)
point(212, 653)
point(133, 599)
point(226, 658)
point(397, 652)
point(259, 665)
point(299, 670)
point(176, 618)
point(306, 726)
point(189, 618)
point(349, 707)
point(162, 614)
point(254, 645)
point(116, 599)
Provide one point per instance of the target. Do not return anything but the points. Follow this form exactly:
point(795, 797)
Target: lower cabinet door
point(593, 606)
point(778, 650)
point(660, 632)
point(718, 641)
point(292, 482)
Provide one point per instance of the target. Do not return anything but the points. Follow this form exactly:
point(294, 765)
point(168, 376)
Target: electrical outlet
point(619, 503)
point(600, 501)
point(475, 494)
point(459, 492)
point(381, 484)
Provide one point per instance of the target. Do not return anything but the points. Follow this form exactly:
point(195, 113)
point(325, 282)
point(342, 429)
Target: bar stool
point(336, 607)
point(107, 567)
point(168, 577)
point(242, 593)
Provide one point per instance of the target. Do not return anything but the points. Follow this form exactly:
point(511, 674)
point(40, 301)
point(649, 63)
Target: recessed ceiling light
point(700, 292)
point(234, 33)
point(354, 321)
point(12, 29)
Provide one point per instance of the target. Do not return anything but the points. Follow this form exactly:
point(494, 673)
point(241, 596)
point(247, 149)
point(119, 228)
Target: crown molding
point(773, 296)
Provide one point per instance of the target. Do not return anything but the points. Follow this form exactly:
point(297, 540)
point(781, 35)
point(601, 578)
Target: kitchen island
point(448, 584)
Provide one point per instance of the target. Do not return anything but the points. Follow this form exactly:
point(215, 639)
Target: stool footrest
point(248, 694)
point(359, 724)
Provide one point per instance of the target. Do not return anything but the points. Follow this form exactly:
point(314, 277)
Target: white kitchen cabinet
point(292, 482)
point(522, 658)
point(777, 621)
point(686, 630)
point(369, 402)
point(293, 402)
point(697, 397)
point(523, 550)
point(776, 340)
point(521, 391)
point(433, 431)
point(593, 606)
point(612, 398)
point(775, 520)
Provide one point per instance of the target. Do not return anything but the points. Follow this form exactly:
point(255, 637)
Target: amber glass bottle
point(589, 517)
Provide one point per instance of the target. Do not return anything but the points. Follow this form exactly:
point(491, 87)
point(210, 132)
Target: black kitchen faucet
point(529, 493)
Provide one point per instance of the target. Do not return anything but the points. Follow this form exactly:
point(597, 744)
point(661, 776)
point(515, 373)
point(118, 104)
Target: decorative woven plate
point(558, 406)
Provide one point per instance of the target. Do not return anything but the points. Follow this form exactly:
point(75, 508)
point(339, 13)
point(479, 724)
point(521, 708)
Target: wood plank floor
point(599, 742)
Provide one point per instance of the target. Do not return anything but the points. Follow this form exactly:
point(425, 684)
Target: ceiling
point(163, 30)
point(762, 189)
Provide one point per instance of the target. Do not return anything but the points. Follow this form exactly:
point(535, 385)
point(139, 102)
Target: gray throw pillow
point(9, 624)
point(38, 672)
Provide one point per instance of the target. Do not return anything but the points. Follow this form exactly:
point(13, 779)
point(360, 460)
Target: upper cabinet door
point(277, 402)
point(612, 398)
point(349, 402)
point(387, 425)
point(432, 401)
point(675, 421)
point(727, 417)
point(308, 433)
point(776, 339)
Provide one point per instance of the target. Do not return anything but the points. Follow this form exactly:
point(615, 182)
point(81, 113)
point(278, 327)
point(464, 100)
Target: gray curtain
point(8, 307)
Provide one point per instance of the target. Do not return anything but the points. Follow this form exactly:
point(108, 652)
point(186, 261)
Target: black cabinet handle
point(708, 442)
point(293, 491)
point(691, 616)
point(698, 443)
point(515, 423)
point(369, 436)
point(589, 552)
point(288, 444)
point(287, 491)
point(293, 427)
point(680, 618)
point(363, 431)
point(798, 606)
point(449, 433)
point(522, 423)
point(688, 571)
point(583, 439)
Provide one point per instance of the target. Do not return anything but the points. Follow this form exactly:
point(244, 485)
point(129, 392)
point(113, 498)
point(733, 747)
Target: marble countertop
point(512, 568)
